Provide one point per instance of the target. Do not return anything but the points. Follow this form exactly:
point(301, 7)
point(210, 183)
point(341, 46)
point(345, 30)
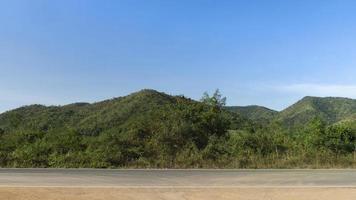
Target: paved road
point(177, 178)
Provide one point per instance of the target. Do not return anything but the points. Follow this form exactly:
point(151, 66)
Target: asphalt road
point(175, 178)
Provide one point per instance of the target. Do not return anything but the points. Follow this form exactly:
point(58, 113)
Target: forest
point(150, 129)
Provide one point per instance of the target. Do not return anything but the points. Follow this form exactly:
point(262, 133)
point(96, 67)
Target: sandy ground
point(89, 184)
point(57, 193)
point(176, 178)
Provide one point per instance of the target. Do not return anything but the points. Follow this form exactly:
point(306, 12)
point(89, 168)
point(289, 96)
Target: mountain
point(91, 119)
point(329, 109)
point(146, 128)
point(101, 114)
point(255, 113)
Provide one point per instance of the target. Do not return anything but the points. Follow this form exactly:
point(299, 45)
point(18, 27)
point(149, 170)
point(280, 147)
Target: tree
point(215, 100)
point(314, 133)
point(340, 139)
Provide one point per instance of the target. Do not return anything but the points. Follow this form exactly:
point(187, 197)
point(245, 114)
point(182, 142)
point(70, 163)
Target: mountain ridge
point(254, 112)
point(329, 109)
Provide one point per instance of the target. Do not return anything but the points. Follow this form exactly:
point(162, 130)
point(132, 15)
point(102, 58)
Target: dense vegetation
point(256, 113)
point(153, 129)
point(330, 110)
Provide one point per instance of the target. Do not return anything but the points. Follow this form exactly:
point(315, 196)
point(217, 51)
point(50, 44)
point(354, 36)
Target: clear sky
point(263, 52)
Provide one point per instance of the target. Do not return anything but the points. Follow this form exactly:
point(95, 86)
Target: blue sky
point(269, 53)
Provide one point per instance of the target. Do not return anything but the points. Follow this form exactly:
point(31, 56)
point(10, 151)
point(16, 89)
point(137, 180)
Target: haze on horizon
point(256, 52)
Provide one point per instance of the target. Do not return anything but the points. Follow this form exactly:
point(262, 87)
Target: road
point(175, 178)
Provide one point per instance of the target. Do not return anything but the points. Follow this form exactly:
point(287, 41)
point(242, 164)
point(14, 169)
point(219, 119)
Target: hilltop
point(91, 119)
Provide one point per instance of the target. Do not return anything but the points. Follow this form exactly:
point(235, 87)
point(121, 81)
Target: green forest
point(150, 129)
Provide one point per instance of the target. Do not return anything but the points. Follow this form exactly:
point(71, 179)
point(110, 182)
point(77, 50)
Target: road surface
point(175, 178)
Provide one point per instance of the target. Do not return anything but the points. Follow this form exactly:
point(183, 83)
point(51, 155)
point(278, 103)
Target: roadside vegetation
point(149, 129)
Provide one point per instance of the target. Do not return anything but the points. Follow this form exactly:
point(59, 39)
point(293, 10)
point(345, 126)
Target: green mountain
point(100, 115)
point(157, 130)
point(329, 109)
point(91, 119)
point(255, 113)
point(146, 128)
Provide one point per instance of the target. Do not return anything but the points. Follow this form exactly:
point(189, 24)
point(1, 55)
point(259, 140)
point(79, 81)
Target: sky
point(269, 53)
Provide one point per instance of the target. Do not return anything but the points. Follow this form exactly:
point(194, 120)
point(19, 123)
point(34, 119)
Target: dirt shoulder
point(58, 193)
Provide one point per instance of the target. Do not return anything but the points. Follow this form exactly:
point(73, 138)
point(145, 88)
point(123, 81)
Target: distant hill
point(116, 112)
point(255, 113)
point(329, 109)
point(91, 119)
point(100, 114)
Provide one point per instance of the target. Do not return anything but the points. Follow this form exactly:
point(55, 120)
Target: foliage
point(258, 114)
point(156, 130)
point(330, 110)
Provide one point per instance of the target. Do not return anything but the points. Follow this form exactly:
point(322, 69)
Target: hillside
point(329, 109)
point(91, 119)
point(255, 113)
point(146, 127)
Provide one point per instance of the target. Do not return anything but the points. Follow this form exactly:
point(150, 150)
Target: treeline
point(167, 133)
point(314, 146)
